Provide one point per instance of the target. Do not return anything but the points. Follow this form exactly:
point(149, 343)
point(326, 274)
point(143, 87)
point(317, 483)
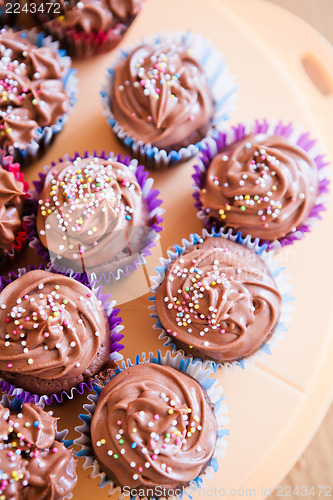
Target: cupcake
point(36, 93)
point(220, 298)
point(155, 428)
point(96, 214)
point(7, 15)
point(165, 96)
point(13, 207)
point(34, 462)
point(89, 27)
point(55, 334)
point(265, 181)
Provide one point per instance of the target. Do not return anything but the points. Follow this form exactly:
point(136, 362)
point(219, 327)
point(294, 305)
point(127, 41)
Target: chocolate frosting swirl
point(264, 186)
point(32, 93)
point(100, 15)
point(11, 206)
point(89, 210)
point(161, 96)
point(153, 426)
point(218, 301)
point(52, 326)
point(34, 466)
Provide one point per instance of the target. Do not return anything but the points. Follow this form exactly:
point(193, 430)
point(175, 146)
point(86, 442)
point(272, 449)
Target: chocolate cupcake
point(37, 93)
point(96, 214)
point(7, 13)
point(221, 299)
point(34, 462)
point(55, 333)
point(155, 428)
point(266, 183)
point(13, 209)
point(90, 27)
point(162, 98)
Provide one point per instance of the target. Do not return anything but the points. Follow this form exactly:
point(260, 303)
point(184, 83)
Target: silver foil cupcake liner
point(198, 372)
point(277, 272)
point(221, 82)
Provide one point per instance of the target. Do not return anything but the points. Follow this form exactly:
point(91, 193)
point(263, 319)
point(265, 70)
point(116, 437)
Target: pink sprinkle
point(154, 457)
point(46, 334)
point(222, 331)
point(54, 450)
point(168, 330)
point(118, 422)
point(158, 91)
point(164, 446)
point(89, 294)
point(293, 199)
point(27, 318)
point(14, 332)
point(186, 296)
point(263, 217)
point(26, 297)
point(142, 83)
point(177, 440)
point(149, 118)
point(225, 250)
point(7, 320)
point(156, 417)
point(20, 327)
point(170, 306)
point(174, 334)
point(191, 118)
point(95, 243)
point(36, 453)
point(133, 115)
point(9, 365)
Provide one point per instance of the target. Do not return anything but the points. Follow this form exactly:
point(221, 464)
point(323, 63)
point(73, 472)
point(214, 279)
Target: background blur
point(315, 467)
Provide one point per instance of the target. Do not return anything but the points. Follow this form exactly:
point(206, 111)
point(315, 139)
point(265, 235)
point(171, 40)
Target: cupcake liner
point(194, 369)
point(155, 218)
point(8, 164)
point(46, 135)
point(115, 328)
point(280, 278)
point(220, 81)
point(229, 135)
point(16, 405)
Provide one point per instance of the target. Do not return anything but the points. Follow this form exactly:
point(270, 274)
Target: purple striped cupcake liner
point(280, 277)
point(215, 393)
point(231, 134)
point(46, 135)
point(7, 163)
point(153, 202)
point(115, 322)
point(221, 82)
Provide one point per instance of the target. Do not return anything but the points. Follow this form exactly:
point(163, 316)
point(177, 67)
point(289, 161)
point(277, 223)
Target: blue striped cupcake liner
point(281, 280)
point(192, 368)
point(221, 82)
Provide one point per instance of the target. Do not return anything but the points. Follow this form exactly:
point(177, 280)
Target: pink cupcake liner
point(116, 327)
point(7, 162)
point(79, 44)
point(155, 219)
point(225, 137)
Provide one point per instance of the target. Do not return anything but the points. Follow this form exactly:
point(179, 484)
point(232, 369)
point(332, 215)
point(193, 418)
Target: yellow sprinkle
point(49, 211)
point(213, 283)
point(94, 229)
point(178, 302)
point(223, 216)
point(221, 211)
point(247, 197)
point(134, 429)
point(170, 411)
point(44, 213)
point(191, 346)
point(196, 418)
point(228, 207)
point(55, 314)
point(196, 306)
point(8, 130)
point(103, 441)
point(30, 361)
point(274, 188)
point(189, 434)
point(184, 323)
